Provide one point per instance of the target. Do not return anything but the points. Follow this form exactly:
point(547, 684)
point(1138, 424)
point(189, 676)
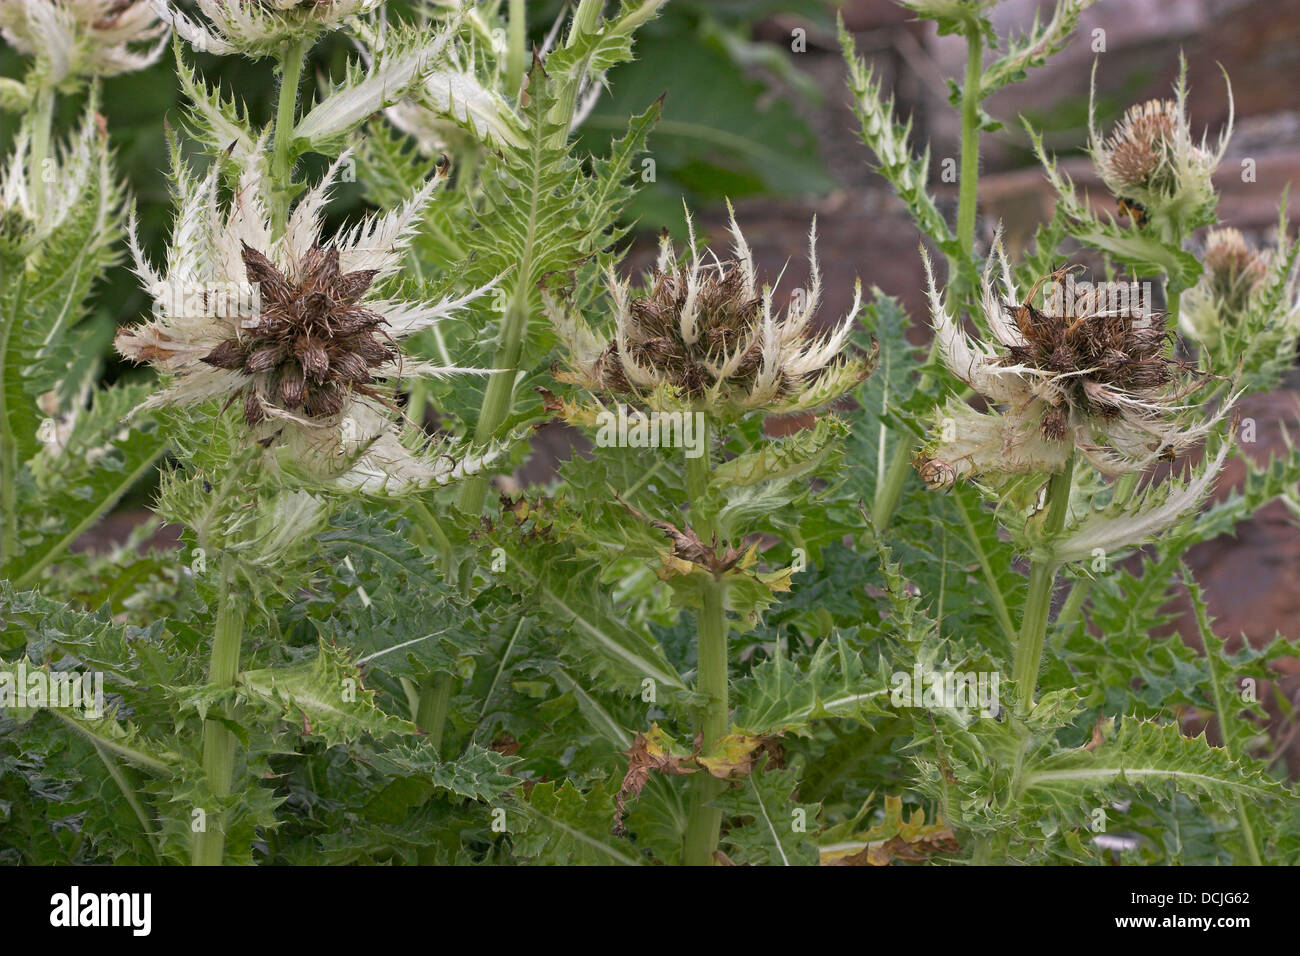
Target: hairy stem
point(585, 20)
point(969, 175)
point(286, 113)
point(1042, 581)
point(516, 41)
point(1073, 605)
point(218, 741)
point(500, 391)
point(704, 822)
point(889, 488)
point(435, 701)
point(9, 464)
point(42, 122)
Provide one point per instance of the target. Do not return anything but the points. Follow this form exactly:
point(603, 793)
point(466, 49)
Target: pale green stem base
point(500, 391)
point(291, 62)
point(1042, 581)
point(705, 822)
point(431, 714)
point(218, 741)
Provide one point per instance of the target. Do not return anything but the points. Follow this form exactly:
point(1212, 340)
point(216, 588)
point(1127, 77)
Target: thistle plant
point(702, 341)
point(1087, 379)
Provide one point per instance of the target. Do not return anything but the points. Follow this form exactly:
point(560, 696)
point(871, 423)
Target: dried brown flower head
point(704, 334)
point(312, 344)
point(726, 314)
point(1088, 372)
point(315, 355)
point(1103, 359)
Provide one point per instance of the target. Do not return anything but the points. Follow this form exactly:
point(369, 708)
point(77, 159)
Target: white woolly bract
point(205, 257)
point(84, 38)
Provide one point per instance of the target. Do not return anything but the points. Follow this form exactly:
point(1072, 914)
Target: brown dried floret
point(1097, 357)
point(311, 345)
point(727, 318)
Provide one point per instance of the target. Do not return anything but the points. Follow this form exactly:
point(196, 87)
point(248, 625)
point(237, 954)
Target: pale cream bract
point(1121, 420)
point(258, 27)
point(359, 444)
point(84, 38)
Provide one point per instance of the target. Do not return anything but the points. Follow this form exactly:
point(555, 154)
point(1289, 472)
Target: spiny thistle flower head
point(1234, 272)
point(702, 334)
point(291, 327)
point(84, 38)
point(259, 27)
point(1151, 163)
point(1087, 375)
point(313, 342)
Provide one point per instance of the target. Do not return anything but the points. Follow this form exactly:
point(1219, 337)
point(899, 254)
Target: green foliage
point(644, 658)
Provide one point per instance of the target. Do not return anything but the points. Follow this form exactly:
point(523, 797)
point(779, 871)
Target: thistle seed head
point(1094, 377)
point(314, 359)
point(1154, 167)
point(1097, 357)
point(703, 335)
point(726, 315)
point(312, 344)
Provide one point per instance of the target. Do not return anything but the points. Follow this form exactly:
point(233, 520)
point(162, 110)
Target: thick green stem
point(435, 701)
point(697, 480)
point(435, 696)
point(500, 390)
point(9, 464)
point(969, 175)
point(1073, 605)
point(1042, 580)
point(585, 20)
point(42, 122)
point(286, 114)
point(1173, 303)
point(711, 682)
point(218, 741)
point(516, 41)
point(889, 488)
point(705, 822)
